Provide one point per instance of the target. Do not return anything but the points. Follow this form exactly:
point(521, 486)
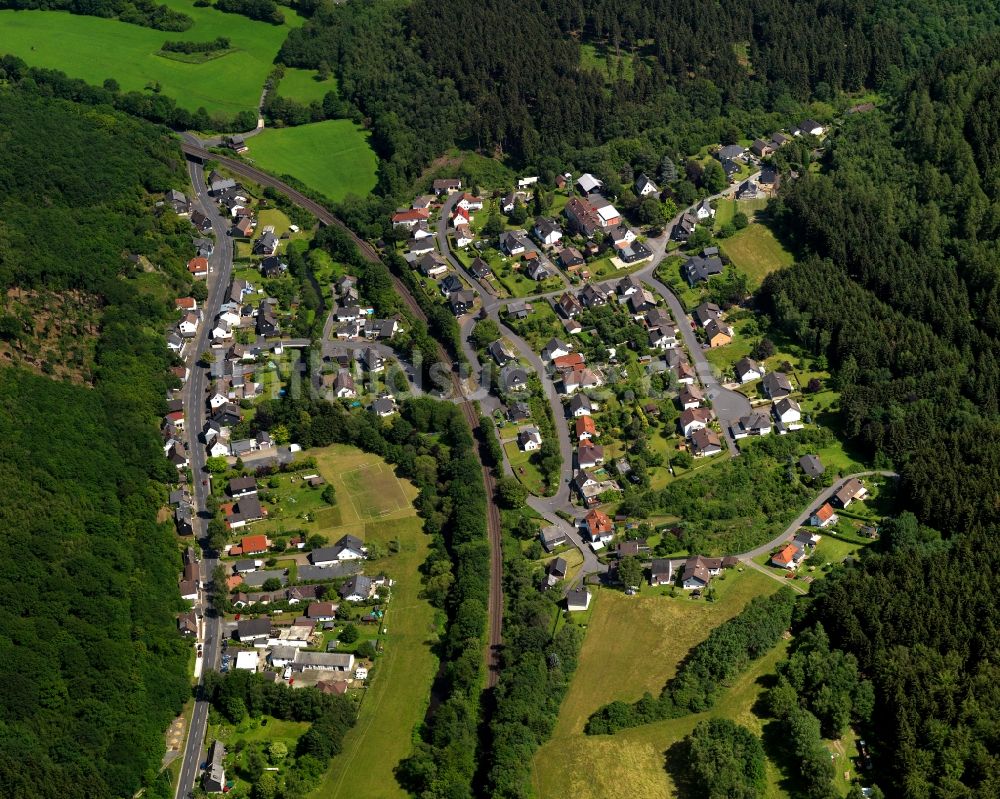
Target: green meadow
point(331, 157)
point(96, 49)
point(301, 85)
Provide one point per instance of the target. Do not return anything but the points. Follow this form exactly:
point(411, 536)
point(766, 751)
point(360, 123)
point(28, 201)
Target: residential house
point(662, 338)
point(730, 152)
point(450, 284)
point(790, 556)
point(685, 227)
point(776, 385)
point(705, 313)
point(808, 127)
point(580, 379)
point(748, 190)
point(246, 510)
point(409, 217)
point(598, 526)
point(469, 202)
point(641, 302)
point(244, 227)
point(823, 516)
point(589, 455)
point(198, 267)
point(547, 231)
point(699, 570)
point(556, 572)
point(240, 487)
point(432, 265)
point(357, 589)
point(585, 428)
point(321, 611)
point(571, 258)
point(513, 378)
point(446, 185)
point(343, 385)
point(583, 217)
point(272, 267)
point(214, 780)
point(704, 211)
point(384, 406)
point(480, 269)
point(202, 224)
point(518, 412)
point(661, 572)
point(580, 406)
point(577, 599)
point(787, 411)
point(464, 236)
point(568, 363)
point(187, 624)
point(811, 466)
point(593, 296)
point(747, 369)
point(253, 631)
point(628, 286)
point(568, 305)
point(423, 202)
point(501, 352)
point(695, 419)
point(698, 269)
point(850, 491)
point(529, 440)
point(756, 423)
point(519, 309)
point(705, 442)
point(644, 187)
point(768, 178)
point(690, 397)
point(608, 216)
point(552, 537)
point(515, 243)
point(761, 148)
point(718, 335)
point(779, 139)
point(555, 349)
point(374, 361)
point(538, 270)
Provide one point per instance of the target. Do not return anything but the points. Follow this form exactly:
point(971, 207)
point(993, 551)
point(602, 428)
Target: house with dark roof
point(661, 572)
point(697, 269)
point(811, 466)
point(776, 385)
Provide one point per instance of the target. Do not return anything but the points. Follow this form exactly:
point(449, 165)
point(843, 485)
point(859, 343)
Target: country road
point(193, 150)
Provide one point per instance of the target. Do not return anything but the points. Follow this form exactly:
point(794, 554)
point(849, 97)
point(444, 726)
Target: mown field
point(374, 504)
point(755, 251)
point(331, 157)
point(95, 49)
point(634, 644)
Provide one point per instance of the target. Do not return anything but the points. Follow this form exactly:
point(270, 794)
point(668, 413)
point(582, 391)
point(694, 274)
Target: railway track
point(323, 214)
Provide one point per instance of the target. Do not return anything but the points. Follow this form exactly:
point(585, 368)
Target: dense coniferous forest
point(92, 667)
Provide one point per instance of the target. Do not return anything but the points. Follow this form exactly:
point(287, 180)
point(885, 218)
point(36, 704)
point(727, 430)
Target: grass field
point(301, 85)
point(95, 49)
point(755, 251)
point(374, 503)
point(331, 157)
point(660, 631)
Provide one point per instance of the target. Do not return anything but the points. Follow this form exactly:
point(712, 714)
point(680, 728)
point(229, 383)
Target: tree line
point(136, 12)
point(710, 666)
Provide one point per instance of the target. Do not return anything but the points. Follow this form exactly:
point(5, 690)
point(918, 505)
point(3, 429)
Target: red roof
point(786, 556)
point(585, 424)
point(175, 416)
point(235, 580)
point(196, 265)
point(186, 303)
point(574, 359)
point(598, 523)
point(825, 512)
point(254, 543)
point(411, 214)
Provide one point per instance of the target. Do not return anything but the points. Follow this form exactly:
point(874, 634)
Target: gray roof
point(358, 584)
point(258, 578)
point(252, 628)
point(317, 573)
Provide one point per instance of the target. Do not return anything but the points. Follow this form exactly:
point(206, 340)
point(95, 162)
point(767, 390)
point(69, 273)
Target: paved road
point(195, 150)
point(220, 269)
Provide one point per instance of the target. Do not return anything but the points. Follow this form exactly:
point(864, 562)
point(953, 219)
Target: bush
point(349, 634)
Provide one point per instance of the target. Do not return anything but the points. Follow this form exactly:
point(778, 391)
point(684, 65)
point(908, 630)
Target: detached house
point(547, 231)
point(644, 187)
point(598, 526)
point(661, 572)
point(747, 369)
point(823, 516)
point(529, 440)
point(776, 385)
point(850, 491)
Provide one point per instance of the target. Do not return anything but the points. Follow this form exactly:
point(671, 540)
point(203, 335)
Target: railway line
point(323, 214)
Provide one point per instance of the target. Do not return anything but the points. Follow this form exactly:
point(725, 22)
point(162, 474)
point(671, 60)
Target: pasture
point(96, 49)
point(331, 157)
point(660, 631)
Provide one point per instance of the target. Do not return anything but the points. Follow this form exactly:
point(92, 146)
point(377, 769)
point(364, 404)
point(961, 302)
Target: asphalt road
point(220, 270)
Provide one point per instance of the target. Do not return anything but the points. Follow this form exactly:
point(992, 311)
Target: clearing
point(756, 252)
point(95, 49)
point(302, 85)
point(660, 630)
point(331, 157)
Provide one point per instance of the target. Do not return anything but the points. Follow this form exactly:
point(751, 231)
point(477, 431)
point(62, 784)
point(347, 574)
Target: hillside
point(92, 668)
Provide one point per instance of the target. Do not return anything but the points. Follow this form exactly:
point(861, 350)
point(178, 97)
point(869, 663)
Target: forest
point(92, 668)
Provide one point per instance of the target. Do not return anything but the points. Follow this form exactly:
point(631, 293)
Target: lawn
point(302, 85)
point(331, 157)
point(95, 49)
point(756, 252)
point(660, 631)
point(602, 59)
point(524, 469)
